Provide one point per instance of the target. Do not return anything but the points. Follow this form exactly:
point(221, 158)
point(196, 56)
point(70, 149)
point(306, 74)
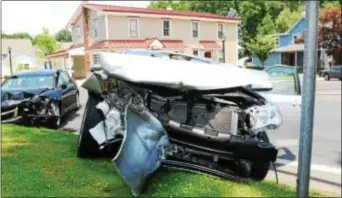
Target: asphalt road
point(326, 150)
point(326, 147)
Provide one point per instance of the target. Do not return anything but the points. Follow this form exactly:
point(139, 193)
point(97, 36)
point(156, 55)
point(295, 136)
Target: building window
point(166, 27)
point(294, 37)
point(133, 28)
point(96, 28)
point(220, 30)
point(78, 31)
point(96, 59)
point(277, 41)
point(194, 29)
point(195, 52)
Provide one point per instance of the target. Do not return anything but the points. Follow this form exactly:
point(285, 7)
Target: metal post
point(10, 58)
point(308, 99)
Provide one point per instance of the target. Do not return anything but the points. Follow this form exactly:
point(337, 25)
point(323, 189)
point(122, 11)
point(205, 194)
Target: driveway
point(72, 121)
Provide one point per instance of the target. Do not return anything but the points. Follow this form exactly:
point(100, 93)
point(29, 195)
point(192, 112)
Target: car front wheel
point(260, 168)
point(326, 77)
point(55, 122)
point(87, 147)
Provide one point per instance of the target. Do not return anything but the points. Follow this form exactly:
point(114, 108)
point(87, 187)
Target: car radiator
point(220, 119)
point(212, 120)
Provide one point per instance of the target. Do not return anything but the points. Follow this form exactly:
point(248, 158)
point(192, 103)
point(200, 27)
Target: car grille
point(5, 115)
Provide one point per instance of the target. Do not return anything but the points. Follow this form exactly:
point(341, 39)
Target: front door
point(288, 58)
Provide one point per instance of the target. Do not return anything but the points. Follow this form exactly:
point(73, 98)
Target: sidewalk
point(320, 181)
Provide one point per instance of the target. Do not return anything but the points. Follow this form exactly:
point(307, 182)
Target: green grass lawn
point(42, 162)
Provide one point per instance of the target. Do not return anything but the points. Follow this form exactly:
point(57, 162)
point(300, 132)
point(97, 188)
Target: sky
point(32, 16)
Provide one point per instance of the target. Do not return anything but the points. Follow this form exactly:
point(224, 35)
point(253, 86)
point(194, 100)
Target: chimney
point(86, 39)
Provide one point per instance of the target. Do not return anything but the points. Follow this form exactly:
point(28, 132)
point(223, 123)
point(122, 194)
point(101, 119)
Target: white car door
point(286, 93)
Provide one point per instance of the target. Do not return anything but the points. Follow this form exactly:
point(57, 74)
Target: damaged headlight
point(46, 101)
point(35, 99)
point(266, 117)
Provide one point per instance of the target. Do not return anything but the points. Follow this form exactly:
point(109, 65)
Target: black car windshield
point(28, 82)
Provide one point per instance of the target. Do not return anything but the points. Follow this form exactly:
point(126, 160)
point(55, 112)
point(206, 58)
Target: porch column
point(69, 67)
point(296, 64)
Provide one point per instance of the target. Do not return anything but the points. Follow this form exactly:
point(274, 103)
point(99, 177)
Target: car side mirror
point(63, 86)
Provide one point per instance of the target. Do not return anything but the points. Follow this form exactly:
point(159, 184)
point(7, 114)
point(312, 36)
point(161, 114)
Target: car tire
point(326, 77)
point(55, 122)
point(260, 168)
point(87, 147)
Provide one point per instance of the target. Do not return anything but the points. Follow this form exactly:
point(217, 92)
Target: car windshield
point(28, 82)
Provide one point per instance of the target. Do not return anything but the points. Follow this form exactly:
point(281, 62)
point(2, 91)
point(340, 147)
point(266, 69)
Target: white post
point(69, 65)
point(296, 54)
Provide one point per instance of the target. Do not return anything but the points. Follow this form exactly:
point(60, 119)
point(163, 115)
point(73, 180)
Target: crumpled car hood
point(19, 95)
point(179, 74)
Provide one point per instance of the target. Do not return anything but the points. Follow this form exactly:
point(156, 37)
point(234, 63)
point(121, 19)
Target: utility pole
point(308, 99)
point(10, 58)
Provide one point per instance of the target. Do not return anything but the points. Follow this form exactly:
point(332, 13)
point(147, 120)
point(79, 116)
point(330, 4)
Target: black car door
point(72, 90)
point(68, 97)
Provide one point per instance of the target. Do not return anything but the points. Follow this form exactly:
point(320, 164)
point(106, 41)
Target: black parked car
point(38, 97)
point(333, 72)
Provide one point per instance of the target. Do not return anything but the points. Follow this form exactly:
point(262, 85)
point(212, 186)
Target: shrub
point(300, 69)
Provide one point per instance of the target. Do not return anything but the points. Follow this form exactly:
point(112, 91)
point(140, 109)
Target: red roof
point(209, 44)
point(134, 44)
point(112, 8)
point(62, 53)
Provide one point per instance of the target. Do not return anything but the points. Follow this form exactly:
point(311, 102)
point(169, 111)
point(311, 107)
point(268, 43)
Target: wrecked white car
point(149, 112)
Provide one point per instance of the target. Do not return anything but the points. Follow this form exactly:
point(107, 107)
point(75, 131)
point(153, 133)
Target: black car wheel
point(55, 122)
point(326, 77)
point(87, 147)
point(260, 168)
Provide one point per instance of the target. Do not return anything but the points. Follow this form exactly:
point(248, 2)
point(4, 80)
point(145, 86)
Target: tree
point(266, 26)
point(17, 35)
point(330, 32)
point(45, 42)
point(287, 18)
point(175, 5)
point(330, 3)
point(63, 35)
point(261, 47)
